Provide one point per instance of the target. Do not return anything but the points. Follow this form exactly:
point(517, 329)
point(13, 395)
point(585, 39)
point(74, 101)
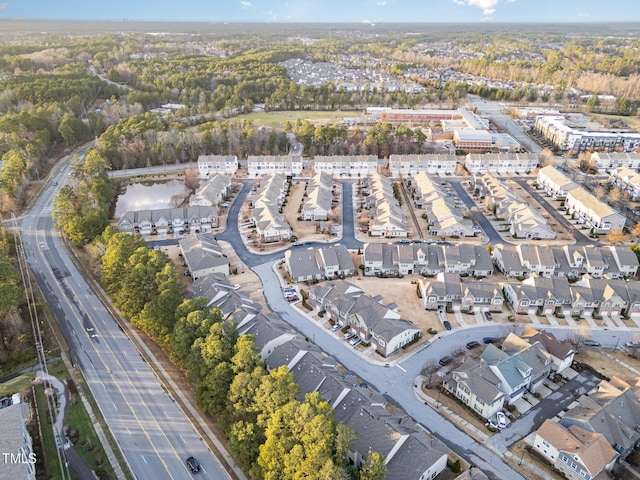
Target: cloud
point(488, 7)
point(4, 5)
point(245, 5)
point(382, 3)
point(584, 14)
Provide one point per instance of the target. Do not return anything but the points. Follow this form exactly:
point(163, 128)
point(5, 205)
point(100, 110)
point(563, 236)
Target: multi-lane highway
point(153, 432)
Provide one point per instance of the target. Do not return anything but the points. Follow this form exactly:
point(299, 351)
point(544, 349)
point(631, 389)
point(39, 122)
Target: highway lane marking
point(128, 430)
point(145, 460)
point(114, 406)
point(183, 439)
point(125, 353)
point(401, 368)
point(166, 414)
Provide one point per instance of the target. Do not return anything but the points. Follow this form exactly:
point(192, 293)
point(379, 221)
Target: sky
point(366, 11)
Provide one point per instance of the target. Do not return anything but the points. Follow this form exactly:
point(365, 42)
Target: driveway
point(555, 403)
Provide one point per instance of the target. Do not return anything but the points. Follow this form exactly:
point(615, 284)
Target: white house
point(225, 164)
point(433, 164)
point(290, 165)
point(501, 163)
point(212, 192)
point(555, 183)
point(352, 166)
point(587, 209)
point(628, 180)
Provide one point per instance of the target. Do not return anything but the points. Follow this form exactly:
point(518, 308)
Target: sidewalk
point(476, 433)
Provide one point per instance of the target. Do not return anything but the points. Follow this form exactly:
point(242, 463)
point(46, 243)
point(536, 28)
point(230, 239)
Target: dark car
point(473, 344)
point(489, 340)
point(193, 465)
point(446, 360)
point(591, 343)
point(447, 325)
point(488, 316)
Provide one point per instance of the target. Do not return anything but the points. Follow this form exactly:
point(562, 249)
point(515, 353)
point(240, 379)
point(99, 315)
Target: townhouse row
point(381, 259)
point(386, 218)
point(267, 201)
point(169, 220)
point(409, 451)
point(571, 261)
point(524, 221)
point(446, 214)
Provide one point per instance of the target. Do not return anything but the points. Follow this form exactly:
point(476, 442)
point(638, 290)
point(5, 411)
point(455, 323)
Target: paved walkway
point(72, 457)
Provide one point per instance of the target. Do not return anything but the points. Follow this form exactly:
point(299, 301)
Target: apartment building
point(501, 163)
point(593, 213)
point(472, 140)
point(316, 205)
point(607, 161)
point(386, 216)
point(628, 180)
point(169, 220)
point(554, 183)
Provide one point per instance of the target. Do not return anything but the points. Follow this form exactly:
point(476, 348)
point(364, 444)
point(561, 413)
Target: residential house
point(203, 255)
point(607, 161)
point(501, 163)
point(386, 216)
point(375, 323)
point(595, 214)
point(525, 222)
point(16, 441)
point(519, 366)
point(432, 164)
point(448, 290)
point(507, 260)
point(223, 164)
point(169, 220)
point(562, 353)
point(408, 450)
point(539, 295)
point(212, 192)
point(628, 180)
point(319, 263)
point(351, 166)
point(290, 165)
point(222, 295)
point(475, 385)
point(426, 259)
point(554, 183)
point(317, 203)
point(576, 452)
point(271, 225)
point(447, 219)
point(612, 410)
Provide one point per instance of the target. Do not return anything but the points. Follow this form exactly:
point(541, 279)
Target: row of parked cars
point(290, 294)
point(352, 337)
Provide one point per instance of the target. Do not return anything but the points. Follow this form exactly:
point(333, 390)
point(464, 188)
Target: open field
point(279, 119)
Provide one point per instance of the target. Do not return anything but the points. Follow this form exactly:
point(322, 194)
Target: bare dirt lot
point(303, 229)
point(606, 364)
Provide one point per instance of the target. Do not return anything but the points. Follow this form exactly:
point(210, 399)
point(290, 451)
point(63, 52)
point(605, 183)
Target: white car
point(348, 335)
point(336, 327)
point(354, 341)
point(502, 420)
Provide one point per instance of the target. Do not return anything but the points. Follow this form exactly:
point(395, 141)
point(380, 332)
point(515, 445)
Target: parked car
point(473, 344)
point(502, 420)
point(193, 465)
point(591, 343)
point(488, 317)
point(292, 299)
point(348, 335)
point(355, 340)
point(632, 344)
point(570, 340)
point(446, 360)
point(335, 328)
point(446, 325)
point(489, 340)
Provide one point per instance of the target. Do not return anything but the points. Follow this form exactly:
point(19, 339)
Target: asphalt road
point(153, 432)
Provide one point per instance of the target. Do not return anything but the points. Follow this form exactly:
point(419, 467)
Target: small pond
point(151, 196)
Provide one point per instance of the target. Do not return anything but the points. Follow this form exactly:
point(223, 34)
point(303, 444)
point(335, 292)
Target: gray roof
point(611, 411)
point(303, 263)
point(221, 294)
point(201, 251)
point(479, 378)
point(12, 425)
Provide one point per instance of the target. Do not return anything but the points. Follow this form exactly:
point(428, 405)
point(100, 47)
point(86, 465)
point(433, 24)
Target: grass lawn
point(279, 119)
point(48, 442)
point(17, 384)
point(87, 445)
